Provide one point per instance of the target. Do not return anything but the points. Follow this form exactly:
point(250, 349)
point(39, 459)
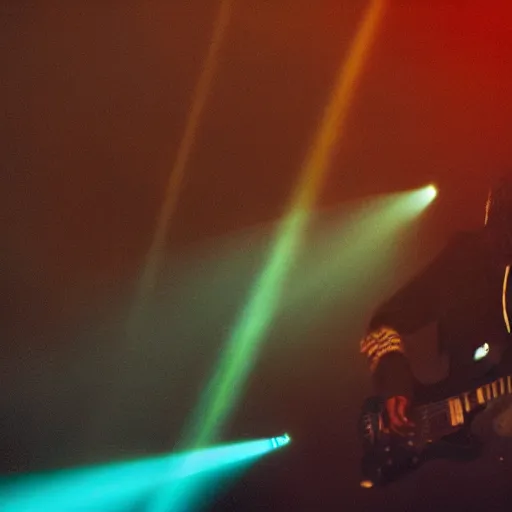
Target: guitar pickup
point(456, 412)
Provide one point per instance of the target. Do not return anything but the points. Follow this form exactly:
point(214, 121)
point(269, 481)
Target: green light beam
point(238, 355)
point(256, 318)
point(243, 343)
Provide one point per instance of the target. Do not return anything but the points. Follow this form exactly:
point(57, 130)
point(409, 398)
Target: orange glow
point(332, 124)
point(487, 208)
point(199, 97)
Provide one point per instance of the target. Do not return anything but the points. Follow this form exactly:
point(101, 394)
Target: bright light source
point(431, 192)
point(481, 352)
point(420, 198)
point(279, 441)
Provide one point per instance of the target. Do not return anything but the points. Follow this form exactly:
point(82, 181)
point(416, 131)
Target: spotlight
point(280, 441)
point(419, 199)
point(431, 192)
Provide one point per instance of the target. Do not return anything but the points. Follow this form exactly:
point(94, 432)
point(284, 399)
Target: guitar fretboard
point(455, 407)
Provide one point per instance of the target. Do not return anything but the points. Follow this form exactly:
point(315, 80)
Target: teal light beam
point(116, 487)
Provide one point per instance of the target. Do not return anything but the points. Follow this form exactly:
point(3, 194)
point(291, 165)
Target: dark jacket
point(462, 290)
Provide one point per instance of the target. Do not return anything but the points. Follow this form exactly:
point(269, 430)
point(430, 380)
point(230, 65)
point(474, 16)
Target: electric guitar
point(442, 430)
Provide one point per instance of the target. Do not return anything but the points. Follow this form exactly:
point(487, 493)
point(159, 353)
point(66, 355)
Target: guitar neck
point(487, 393)
point(457, 406)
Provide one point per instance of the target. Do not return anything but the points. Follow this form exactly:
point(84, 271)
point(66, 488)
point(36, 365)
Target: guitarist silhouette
point(466, 292)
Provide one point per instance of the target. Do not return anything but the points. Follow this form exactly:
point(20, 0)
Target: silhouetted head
point(498, 214)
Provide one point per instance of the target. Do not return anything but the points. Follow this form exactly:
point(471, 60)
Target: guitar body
point(388, 456)
point(443, 414)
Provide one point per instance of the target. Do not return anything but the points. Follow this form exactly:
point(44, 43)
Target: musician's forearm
point(383, 348)
point(393, 376)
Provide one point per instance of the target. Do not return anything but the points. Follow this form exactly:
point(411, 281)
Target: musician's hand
point(398, 408)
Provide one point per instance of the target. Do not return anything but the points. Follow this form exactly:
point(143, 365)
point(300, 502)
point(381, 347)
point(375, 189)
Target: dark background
point(94, 100)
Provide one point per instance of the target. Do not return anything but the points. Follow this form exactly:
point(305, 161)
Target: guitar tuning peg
point(387, 448)
point(410, 443)
point(389, 462)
